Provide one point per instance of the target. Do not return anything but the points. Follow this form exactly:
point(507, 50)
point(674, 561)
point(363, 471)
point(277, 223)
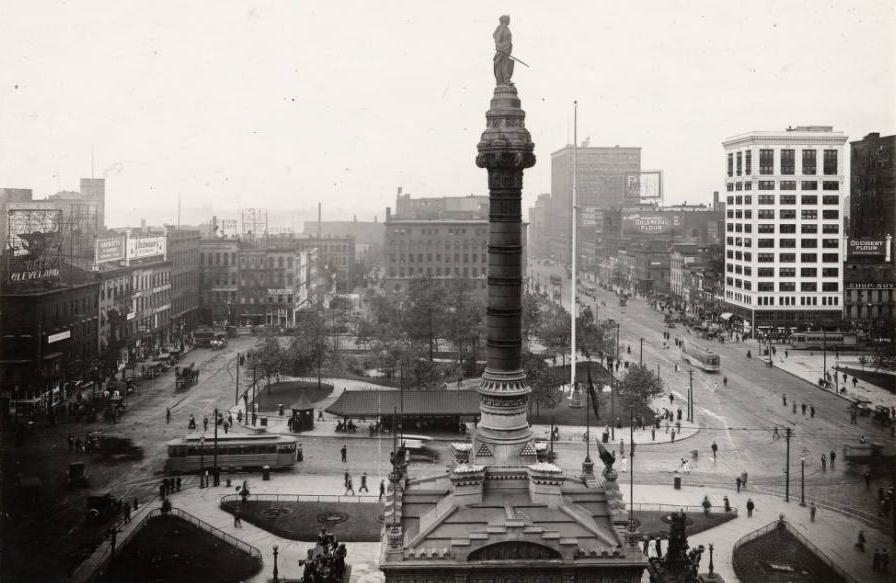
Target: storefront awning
point(368, 403)
point(726, 315)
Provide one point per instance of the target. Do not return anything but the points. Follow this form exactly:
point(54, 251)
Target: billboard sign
point(110, 249)
point(590, 215)
point(34, 244)
point(140, 247)
point(867, 248)
point(60, 336)
point(651, 223)
point(644, 187)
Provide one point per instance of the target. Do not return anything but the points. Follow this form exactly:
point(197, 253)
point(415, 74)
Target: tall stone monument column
point(503, 437)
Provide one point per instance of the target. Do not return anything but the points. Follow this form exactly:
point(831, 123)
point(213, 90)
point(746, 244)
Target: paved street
point(740, 417)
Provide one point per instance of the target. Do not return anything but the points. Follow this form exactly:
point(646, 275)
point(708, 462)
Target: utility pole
point(691, 395)
point(215, 452)
point(253, 391)
point(631, 475)
point(787, 468)
point(573, 286)
point(641, 357)
point(236, 396)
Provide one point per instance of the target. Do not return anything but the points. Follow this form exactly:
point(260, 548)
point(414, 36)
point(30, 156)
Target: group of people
point(325, 563)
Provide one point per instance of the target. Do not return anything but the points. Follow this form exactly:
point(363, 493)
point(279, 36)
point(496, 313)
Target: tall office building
point(784, 245)
point(869, 274)
point(605, 178)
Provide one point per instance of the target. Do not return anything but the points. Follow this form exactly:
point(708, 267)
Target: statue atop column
point(503, 62)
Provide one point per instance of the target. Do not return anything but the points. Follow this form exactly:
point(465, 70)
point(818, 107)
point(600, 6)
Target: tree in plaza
point(424, 312)
point(464, 323)
point(268, 359)
point(554, 330)
point(545, 387)
point(638, 386)
point(531, 315)
point(309, 347)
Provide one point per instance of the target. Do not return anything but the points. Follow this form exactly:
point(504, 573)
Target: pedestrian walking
point(706, 505)
point(659, 548)
point(349, 487)
point(673, 436)
point(230, 418)
point(167, 415)
point(192, 423)
point(854, 381)
point(126, 510)
point(679, 413)
point(860, 542)
point(803, 407)
point(750, 507)
point(382, 489)
point(812, 510)
point(345, 479)
point(344, 453)
point(237, 521)
point(363, 487)
point(794, 408)
point(205, 423)
point(653, 434)
point(784, 398)
point(833, 458)
point(786, 354)
point(867, 476)
point(811, 410)
point(715, 450)
point(226, 427)
point(727, 503)
point(776, 435)
point(738, 482)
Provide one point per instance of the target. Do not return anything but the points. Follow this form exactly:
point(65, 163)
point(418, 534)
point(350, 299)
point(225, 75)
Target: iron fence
point(300, 498)
point(772, 526)
point(647, 507)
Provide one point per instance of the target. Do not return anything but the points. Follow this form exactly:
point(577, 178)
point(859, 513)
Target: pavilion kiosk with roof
point(302, 418)
point(499, 514)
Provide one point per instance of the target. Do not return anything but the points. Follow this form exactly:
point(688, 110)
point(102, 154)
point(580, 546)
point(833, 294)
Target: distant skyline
point(282, 104)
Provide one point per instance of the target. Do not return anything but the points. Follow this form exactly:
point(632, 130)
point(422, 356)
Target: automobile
point(77, 474)
point(102, 507)
point(670, 324)
point(882, 415)
point(862, 407)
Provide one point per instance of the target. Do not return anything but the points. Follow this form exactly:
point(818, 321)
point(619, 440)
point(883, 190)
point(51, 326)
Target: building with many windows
point(783, 239)
point(183, 251)
point(604, 179)
point(869, 274)
point(219, 274)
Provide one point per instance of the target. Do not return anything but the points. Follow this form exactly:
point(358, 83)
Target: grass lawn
point(881, 379)
point(169, 548)
point(656, 523)
point(290, 392)
point(563, 414)
point(350, 522)
point(779, 557)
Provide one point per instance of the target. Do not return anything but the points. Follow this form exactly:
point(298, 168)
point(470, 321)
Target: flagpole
point(572, 306)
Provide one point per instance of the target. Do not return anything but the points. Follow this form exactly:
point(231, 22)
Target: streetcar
point(820, 340)
point(700, 357)
point(195, 452)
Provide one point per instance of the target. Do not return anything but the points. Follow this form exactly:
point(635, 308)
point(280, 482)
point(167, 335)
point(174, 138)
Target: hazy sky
point(285, 103)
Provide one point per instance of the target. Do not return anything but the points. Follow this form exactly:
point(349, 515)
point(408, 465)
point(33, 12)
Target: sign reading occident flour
point(867, 248)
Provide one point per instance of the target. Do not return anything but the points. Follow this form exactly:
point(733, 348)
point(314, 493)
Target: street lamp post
point(641, 358)
point(202, 462)
point(276, 577)
point(215, 452)
point(802, 479)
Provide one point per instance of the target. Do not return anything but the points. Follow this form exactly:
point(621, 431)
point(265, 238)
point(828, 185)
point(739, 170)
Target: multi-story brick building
point(116, 319)
point(151, 293)
point(335, 259)
point(219, 273)
point(869, 274)
point(183, 251)
point(48, 337)
point(784, 245)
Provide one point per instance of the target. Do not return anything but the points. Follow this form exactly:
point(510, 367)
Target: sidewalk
point(808, 366)
point(833, 533)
